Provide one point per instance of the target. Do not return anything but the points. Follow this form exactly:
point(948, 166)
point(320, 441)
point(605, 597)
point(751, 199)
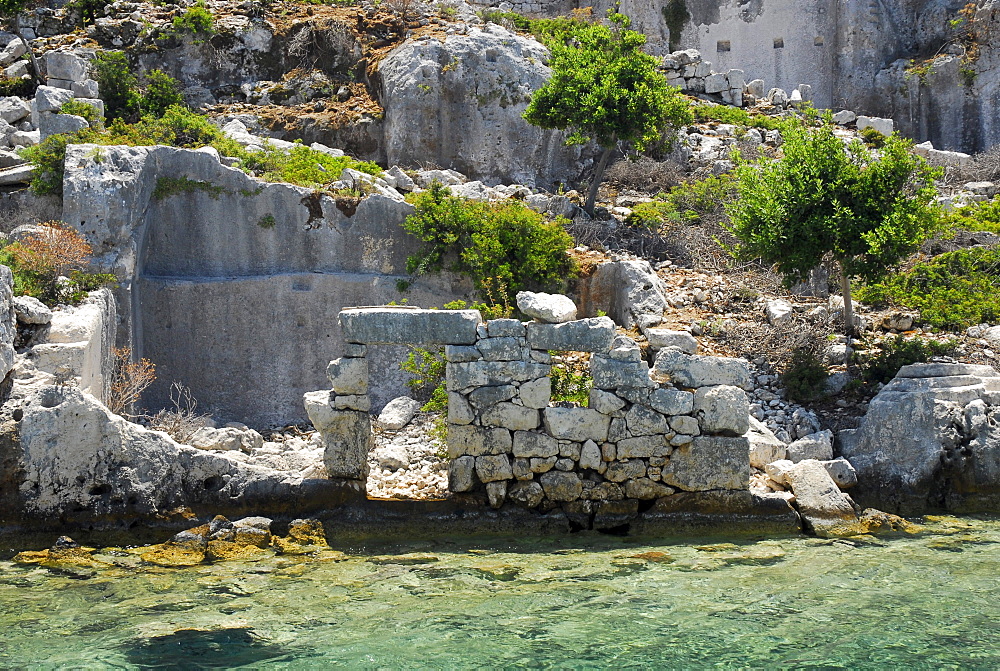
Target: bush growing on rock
point(868, 210)
point(498, 245)
point(605, 89)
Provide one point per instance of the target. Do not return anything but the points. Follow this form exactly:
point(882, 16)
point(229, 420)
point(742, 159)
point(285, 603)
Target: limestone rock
point(765, 447)
point(50, 99)
point(526, 494)
point(347, 440)
point(226, 439)
point(561, 486)
point(348, 376)
point(392, 457)
point(547, 308)
point(884, 126)
point(398, 413)
point(709, 462)
point(510, 416)
point(673, 365)
point(30, 310)
point(579, 424)
point(492, 468)
point(409, 326)
point(817, 446)
point(660, 338)
point(779, 312)
point(13, 109)
point(66, 66)
point(841, 471)
point(627, 290)
point(536, 393)
point(823, 508)
point(477, 441)
point(645, 489)
point(583, 335)
point(723, 410)
point(461, 474)
point(672, 401)
point(532, 444)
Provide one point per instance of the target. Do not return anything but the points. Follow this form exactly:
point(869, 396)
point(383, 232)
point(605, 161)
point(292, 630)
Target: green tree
point(10, 10)
point(867, 209)
point(606, 89)
point(162, 93)
point(119, 87)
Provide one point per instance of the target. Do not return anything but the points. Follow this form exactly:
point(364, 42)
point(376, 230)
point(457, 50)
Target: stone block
point(561, 486)
point(578, 424)
point(13, 109)
point(610, 374)
point(505, 327)
point(722, 410)
point(64, 65)
point(716, 83)
point(351, 402)
point(659, 338)
point(620, 471)
point(683, 424)
point(884, 126)
point(583, 335)
point(605, 402)
point(504, 348)
point(613, 514)
point(510, 416)
point(817, 446)
point(462, 353)
point(347, 440)
point(492, 468)
point(477, 441)
point(590, 456)
point(736, 78)
point(779, 312)
point(319, 409)
point(533, 444)
point(765, 447)
point(50, 99)
point(685, 370)
point(841, 471)
point(844, 117)
point(348, 376)
point(672, 401)
point(88, 88)
point(709, 462)
point(755, 87)
point(397, 413)
point(492, 373)
point(521, 468)
point(542, 464)
point(548, 308)
point(535, 393)
point(496, 493)
point(642, 447)
point(459, 410)
point(409, 326)
point(644, 421)
point(484, 397)
point(645, 489)
point(50, 124)
point(824, 509)
point(526, 494)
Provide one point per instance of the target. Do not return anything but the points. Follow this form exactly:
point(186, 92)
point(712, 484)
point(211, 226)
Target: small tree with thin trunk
point(9, 12)
point(866, 209)
point(606, 89)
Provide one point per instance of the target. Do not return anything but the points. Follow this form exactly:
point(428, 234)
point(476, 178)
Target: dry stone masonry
point(647, 433)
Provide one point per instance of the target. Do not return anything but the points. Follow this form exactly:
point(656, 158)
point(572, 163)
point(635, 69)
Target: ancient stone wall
point(647, 433)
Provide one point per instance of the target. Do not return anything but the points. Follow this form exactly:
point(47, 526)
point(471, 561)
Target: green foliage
point(23, 88)
point(50, 157)
point(675, 16)
point(486, 310)
point(196, 20)
point(267, 221)
point(551, 30)
point(88, 10)
point(570, 382)
point(119, 87)
point(503, 247)
point(805, 377)
point(981, 216)
point(605, 88)
point(305, 167)
point(867, 210)
point(162, 93)
point(39, 263)
point(654, 216)
point(697, 199)
point(172, 186)
point(953, 290)
point(894, 353)
point(77, 108)
point(734, 115)
point(9, 9)
point(428, 381)
point(872, 137)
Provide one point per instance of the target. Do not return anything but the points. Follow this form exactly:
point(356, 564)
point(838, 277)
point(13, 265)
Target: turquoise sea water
point(925, 601)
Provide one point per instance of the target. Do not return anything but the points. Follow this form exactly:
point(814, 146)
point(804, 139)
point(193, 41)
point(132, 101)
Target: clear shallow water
point(928, 601)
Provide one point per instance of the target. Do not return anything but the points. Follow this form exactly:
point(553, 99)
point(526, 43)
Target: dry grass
point(183, 420)
point(128, 380)
point(53, 250)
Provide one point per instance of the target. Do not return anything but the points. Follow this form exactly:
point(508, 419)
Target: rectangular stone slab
point(409, 326)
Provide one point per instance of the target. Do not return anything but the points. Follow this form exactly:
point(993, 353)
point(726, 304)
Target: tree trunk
point(845, 290)
point(36, 71)
point(596, 183)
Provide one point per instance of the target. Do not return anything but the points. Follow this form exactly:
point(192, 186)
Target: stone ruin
point(648, 433)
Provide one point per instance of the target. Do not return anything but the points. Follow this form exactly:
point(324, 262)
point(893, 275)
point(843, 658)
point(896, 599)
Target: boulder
point(883, 126)
point(779, 312)
point(392, 457)
point(30, 310)
point(13, 109)
point(561, 486)
point(929, 441)
point(397, 413)
point(226, 439)
point(765, 447)
point(626, 290)
point(824, 509)
point(547, 308)
point(817, 446)
point(660, 338)
point(468, 115)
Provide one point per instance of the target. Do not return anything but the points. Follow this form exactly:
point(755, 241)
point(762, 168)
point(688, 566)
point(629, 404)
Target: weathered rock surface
point(929, 441)
point(825, 510)
point(398, 413)
point(626, 290)
point(467, 116)
point(82, 464)
point(547, 308)
point(673, 365)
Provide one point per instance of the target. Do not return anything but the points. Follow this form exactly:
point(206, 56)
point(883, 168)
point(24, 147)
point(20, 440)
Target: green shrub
point(805, 377)
point(487, 311)
point(50, 157)
point(954, 290)
point(171, 186)
point(501, 246)
point(734, 115)
point(696, 200)
point(872, 137)
point(304, 166)
point(981, 216)
point(88, 10)
point(654, 215)
point(196, 20)
point(428, 381)
point(77, 108)
point(23, 88)
point(119, 87)
point(894, 353)
point(570, 380)
point(162, 93)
